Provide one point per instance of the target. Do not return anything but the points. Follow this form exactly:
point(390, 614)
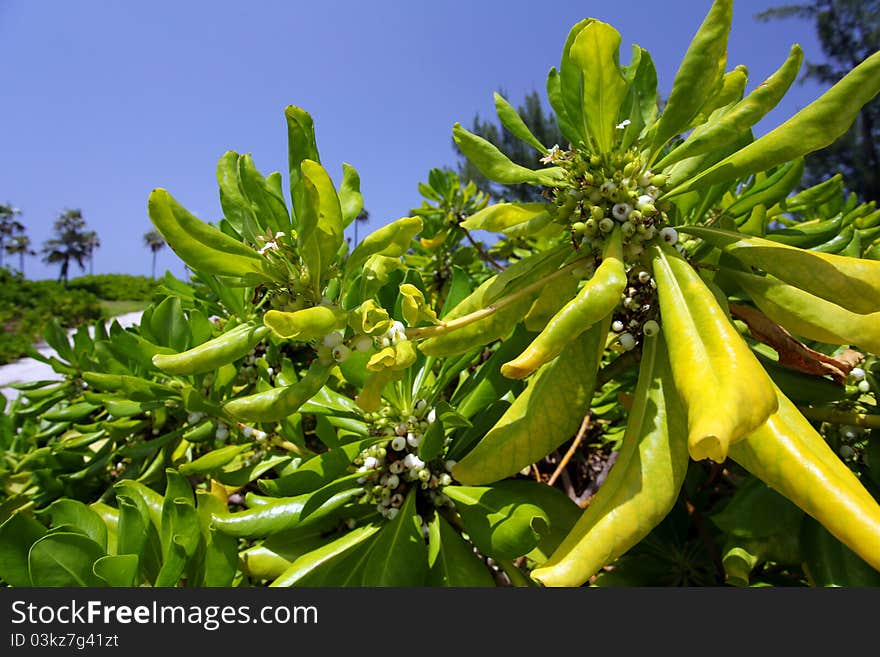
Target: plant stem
point(841, 417)
point(482, 313)
point(585, 425)
point(483, 253)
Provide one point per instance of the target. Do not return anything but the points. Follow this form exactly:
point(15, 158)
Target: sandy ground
point(28, 369)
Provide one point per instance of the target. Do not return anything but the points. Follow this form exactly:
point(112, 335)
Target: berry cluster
point(637, 316)
point(603, 191)
point(390, 468)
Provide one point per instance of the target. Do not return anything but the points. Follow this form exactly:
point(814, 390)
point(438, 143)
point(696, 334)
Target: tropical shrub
point(303, 414)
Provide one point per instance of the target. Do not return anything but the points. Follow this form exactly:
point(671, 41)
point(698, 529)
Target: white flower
point(617, 326)
point(857, 373)
point(551, 155)
point(398, 443)
point(623, 124)
point(332, 339)
point(627, 341)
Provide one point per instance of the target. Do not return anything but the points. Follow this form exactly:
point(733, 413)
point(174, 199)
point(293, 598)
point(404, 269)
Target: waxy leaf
point(118, 570)
point(643, 484)
point(323, 560)
point(544, 416)
point(399, 556)
point(496, 166)
point(301, 146)
point(511, 120)
point(787, 454)
point(725, 390)
point(514, 219)
point(85, 519)
point(697, 75)
point(810, 316)
point(452, 560)
point(64, 559)
point(17, 534)
point(200, 245)
point(236, 208)
point(852, 283)
point(596, 52)
point(743, 115)
point(816, 126)
point(351, 201)
point(502, 521)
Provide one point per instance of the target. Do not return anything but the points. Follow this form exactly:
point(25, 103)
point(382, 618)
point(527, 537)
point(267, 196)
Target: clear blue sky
point(103, 101)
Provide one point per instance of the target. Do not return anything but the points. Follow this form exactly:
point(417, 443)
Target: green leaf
point(554, 95)
point(502, 521)
point(74, 512)
point(697, 75)
point(301, 146)
point(816, 126)
point(399, 556)
point(513, 219)
point(743, 115)
point(236, 208)
point(180, 532)
point(453, 562)
point(596, 51)
point(852, 283)
point(496, 166)
point(320, 221)
point(121, 570)
point(351, 201)
point(200, 245)
point(571, 93)
point(169, 324)
point(326, 558)
point(64, 559)
point(828, 562)
point(544, 416)
point(220, 561)
point(315, 472)
point(17, 534)
point(268, 206)
point(511, 120)
point(213, 460)
point(391, 240)
point(640, 104)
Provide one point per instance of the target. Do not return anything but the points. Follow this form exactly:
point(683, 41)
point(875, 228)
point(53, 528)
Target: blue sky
point(103, 101)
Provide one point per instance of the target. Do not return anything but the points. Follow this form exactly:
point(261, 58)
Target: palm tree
point(9, 226)
point(20, 245)
point(93, 243)
point(362, 217)
point(72, 242)
point(154, 241)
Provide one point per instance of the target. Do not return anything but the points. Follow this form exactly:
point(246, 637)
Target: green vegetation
point(665, 373)
point(27, 306)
